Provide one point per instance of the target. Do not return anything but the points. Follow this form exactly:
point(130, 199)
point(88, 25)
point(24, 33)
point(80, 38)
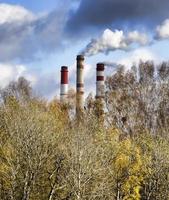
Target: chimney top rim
point(100, 63)
point(63, 68)
point(80, 57)
point(100, 66)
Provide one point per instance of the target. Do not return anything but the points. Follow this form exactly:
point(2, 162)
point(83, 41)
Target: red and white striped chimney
point(80, 84)
point(100, 93)
point(64, 84)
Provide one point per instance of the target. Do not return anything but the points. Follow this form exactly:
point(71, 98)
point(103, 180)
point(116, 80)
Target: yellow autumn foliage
point(129, 167)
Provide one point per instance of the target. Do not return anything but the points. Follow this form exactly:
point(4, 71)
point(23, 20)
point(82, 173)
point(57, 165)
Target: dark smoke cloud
point(104, 13)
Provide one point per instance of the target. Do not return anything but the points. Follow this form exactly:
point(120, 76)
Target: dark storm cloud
point(24, 40)
point(28, 37)
point(31, 36)
point(102, 13)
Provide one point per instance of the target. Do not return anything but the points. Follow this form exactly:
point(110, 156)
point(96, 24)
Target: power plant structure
point(80, 84)
point(100, 88)
point(100, 93)
point(64, 84)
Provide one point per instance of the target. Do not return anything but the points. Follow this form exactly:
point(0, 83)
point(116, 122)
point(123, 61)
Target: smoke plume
point(115, 40)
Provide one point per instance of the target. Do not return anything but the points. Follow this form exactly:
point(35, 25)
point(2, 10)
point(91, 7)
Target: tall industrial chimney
point(100, 93)
point(64, 84)
point(80, 84)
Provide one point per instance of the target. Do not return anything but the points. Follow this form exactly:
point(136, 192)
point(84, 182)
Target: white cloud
point(44, 84)
point(132, 58)
point(10, 73)
point(14, 13)
point(163, 30)
point(24, 35)
point(136, 56)
point(48, 84)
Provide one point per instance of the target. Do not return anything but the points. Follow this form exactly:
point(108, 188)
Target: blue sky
point(38, 37)
point(35, 5)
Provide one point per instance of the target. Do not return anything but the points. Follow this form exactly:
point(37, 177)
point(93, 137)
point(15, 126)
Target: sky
point(38, 37)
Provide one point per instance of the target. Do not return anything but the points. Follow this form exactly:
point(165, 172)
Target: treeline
point(117, 150)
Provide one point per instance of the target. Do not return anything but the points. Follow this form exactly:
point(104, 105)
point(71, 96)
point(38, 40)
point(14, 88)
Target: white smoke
point(115, 40)
point(109, 41)
point(111, 64)
point(118, 40)
point(134, 58)
point(137, 37)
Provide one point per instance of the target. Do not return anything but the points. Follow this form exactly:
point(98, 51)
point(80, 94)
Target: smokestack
point(100, 81)
point(64, 84)
point(80, 84)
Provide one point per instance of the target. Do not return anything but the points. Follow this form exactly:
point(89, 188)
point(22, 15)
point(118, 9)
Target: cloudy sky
point(37, 37)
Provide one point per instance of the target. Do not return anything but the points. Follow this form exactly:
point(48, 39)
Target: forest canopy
point(117, 150)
